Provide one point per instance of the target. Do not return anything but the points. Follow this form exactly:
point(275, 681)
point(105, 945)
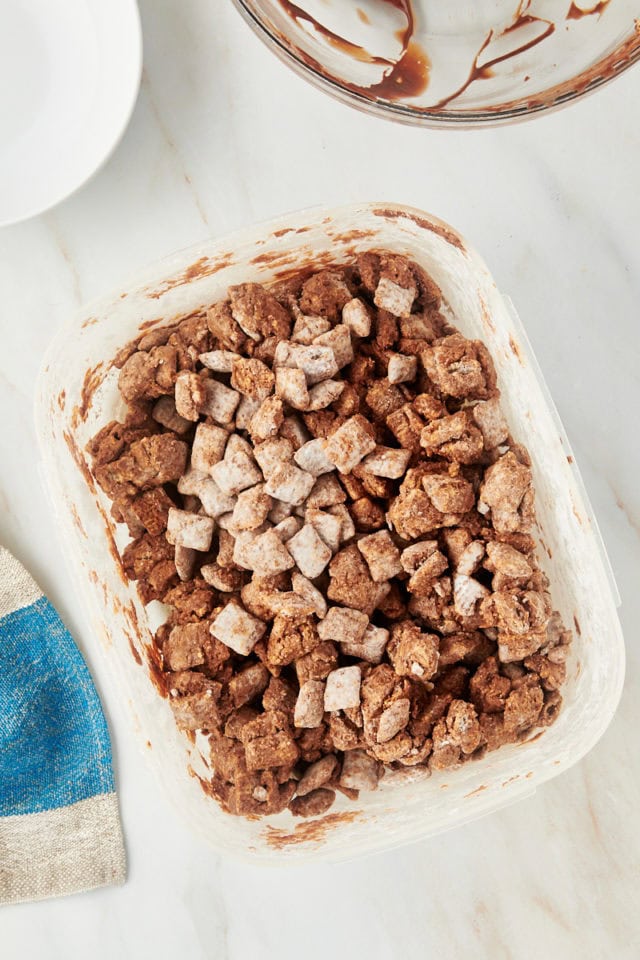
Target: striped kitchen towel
point(60, 827)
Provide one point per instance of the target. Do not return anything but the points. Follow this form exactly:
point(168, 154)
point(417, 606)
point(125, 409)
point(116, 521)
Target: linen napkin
point(60, 827)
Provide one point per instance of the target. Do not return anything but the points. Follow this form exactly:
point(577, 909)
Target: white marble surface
point(224, 135)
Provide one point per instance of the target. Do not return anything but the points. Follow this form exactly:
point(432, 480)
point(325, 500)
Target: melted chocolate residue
point(485, 71)
point(409, 75)
point(575, 13)
point(341, 43)
point(310, 831)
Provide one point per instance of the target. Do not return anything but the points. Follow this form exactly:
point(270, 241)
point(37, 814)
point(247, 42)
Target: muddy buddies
point(319, 483)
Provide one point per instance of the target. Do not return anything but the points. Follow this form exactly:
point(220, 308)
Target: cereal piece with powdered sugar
point(316, 362)
point(382, 556)
point(272, 454)
point(280, 511)
point(357, 318)
point(290, 484)
point(220, 361)
point(488, 415)
point(291, 386)
point(342, 690)
point(287, 528)
point(267, 420)
point(309, 709)
point(289, 604)
point(449, 494)
point(395, 299)
point(508, 565)
point(237, 629)
point(370, 647)
point(267, 555)
point(326, 492)
point(190, 395)
point(339, 340)
point(220, 402)
point(309, 551)
point(317, 774)
point(470, 558)
point(343, 625)
point(359, 771)
point(463, 726)
point(326, 525)
point(252, 507)
point(208, 446)
point(387, 462)
point(245, 412)
point(324, 394)
point(505, 490)
point(215, 502)
point(237, 470)
point(402, 369)
point(224, 328)
point(189, 530)
point(393, 720)
point(310, 593)
point(312, 457)
point(422, 581)
point(413, 556)
point(306, 329)
point(185, 559)
point(294, 430)
point(347, 526)
point(467, 594)
point(350, 443)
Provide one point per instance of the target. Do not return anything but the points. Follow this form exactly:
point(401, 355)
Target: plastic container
point(77, 394)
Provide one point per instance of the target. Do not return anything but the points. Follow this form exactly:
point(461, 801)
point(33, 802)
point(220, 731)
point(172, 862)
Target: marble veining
point(224, 135)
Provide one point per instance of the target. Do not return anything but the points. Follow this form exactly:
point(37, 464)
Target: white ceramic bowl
point(69, 77)
point(77, 394)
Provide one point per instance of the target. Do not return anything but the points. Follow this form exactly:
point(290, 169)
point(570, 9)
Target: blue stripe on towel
point(54, 743)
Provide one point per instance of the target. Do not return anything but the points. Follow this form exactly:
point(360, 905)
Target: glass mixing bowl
point(451, 62)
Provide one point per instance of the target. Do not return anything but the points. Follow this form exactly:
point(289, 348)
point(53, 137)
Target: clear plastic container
point(77, 394)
